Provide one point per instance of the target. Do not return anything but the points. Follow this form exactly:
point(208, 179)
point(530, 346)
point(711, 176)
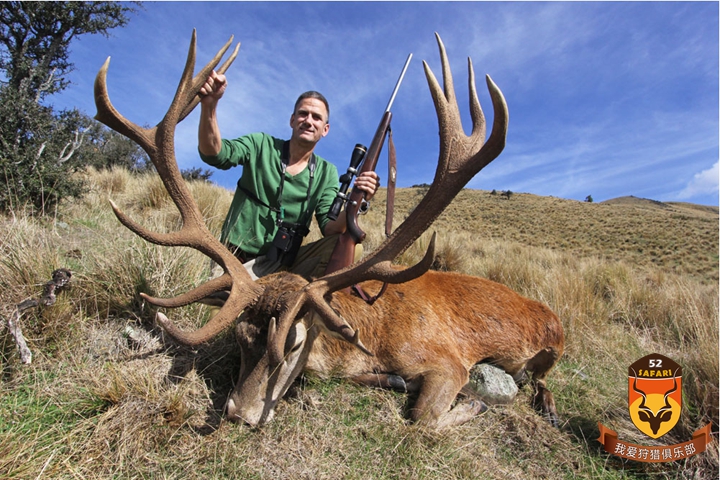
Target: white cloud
point(703, 183)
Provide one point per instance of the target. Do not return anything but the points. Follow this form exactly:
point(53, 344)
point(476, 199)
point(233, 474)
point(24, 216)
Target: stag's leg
point(438, 390)
point(387, 380)
point(543, 400)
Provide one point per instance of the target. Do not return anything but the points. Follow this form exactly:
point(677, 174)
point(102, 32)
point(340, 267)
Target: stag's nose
point(231, 411)
point(253, 417)
point(234, 414)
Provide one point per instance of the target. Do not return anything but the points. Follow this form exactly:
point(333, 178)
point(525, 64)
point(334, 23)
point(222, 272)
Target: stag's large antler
point(461, 157)
point(158, 142)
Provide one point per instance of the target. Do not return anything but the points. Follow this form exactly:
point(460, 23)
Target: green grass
point(98, 402)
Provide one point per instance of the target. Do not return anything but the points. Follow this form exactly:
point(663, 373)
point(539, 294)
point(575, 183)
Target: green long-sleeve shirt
point(251, 225)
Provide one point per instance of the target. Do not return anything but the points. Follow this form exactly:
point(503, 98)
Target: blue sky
point(606, 98)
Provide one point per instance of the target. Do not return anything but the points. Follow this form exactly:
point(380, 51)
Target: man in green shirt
point(282, 184)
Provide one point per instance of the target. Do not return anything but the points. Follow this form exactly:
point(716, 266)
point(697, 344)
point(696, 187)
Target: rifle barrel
point(397, 85)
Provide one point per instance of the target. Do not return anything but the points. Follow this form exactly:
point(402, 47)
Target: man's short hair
point(315, 95)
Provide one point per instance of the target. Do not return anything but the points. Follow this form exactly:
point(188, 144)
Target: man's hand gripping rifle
point(362, 160)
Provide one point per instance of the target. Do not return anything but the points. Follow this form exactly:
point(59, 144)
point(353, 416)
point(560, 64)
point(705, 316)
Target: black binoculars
point(286, 243)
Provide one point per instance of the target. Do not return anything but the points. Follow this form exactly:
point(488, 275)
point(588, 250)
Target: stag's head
point(253, 331)
point(279, 316)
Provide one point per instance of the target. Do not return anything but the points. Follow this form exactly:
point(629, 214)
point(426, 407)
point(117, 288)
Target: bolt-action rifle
point(362, 160)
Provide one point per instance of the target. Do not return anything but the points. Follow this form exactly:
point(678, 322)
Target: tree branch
point(61, 277)
point(73, 144)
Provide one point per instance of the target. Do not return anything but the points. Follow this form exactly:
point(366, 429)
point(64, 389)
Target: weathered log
point(60, 278)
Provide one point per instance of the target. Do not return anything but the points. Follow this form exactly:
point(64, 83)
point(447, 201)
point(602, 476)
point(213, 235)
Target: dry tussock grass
point(107, 397)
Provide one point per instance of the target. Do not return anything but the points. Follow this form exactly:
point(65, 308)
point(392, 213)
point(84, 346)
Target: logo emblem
point(655, 401)
point(655, 394)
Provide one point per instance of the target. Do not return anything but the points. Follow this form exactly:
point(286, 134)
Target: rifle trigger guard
point(364, 207)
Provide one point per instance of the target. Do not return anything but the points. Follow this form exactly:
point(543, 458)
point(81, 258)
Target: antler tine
point(476, 112)
point(234, 305)
point(107, 114)
point(281, 328)
point(201, 77)
point(223, 282)
point(449, 103)
point(158, 142)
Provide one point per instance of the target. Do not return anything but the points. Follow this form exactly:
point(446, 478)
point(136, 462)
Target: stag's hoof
point(553, 419)
point(480, 406)
point(544, 402)
point(396, 382)
point(471, 407)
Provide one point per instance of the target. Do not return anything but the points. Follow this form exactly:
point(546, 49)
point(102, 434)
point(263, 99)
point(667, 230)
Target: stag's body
point(428, 332)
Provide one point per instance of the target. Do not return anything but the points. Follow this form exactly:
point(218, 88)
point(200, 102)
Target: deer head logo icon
point(655, 394)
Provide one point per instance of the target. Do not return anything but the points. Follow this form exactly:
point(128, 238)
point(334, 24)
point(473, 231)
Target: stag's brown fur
point(430, 332)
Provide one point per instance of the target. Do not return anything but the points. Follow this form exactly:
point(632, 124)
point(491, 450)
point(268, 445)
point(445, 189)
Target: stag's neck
point(331, 356)
point(380, 328)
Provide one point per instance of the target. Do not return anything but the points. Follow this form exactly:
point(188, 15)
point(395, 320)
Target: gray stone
point(492, 384)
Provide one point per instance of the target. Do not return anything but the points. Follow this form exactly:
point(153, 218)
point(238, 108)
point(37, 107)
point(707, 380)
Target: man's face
point(309, 122)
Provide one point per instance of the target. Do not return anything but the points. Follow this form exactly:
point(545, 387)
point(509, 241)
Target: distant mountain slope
point(678, 237)
point(679, 206)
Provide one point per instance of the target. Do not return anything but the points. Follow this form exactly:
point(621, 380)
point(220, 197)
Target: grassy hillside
point(678, 238)
point(107, 397)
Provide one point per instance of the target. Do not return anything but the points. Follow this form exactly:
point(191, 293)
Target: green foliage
point(38, 145)
point(36, 153)
point(36, 37)
point(196, 173)
point(104, 148)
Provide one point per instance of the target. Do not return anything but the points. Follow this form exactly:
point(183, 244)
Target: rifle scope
point(357, 157)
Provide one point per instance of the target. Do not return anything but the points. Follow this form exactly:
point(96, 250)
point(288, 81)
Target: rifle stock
point(358, 196)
